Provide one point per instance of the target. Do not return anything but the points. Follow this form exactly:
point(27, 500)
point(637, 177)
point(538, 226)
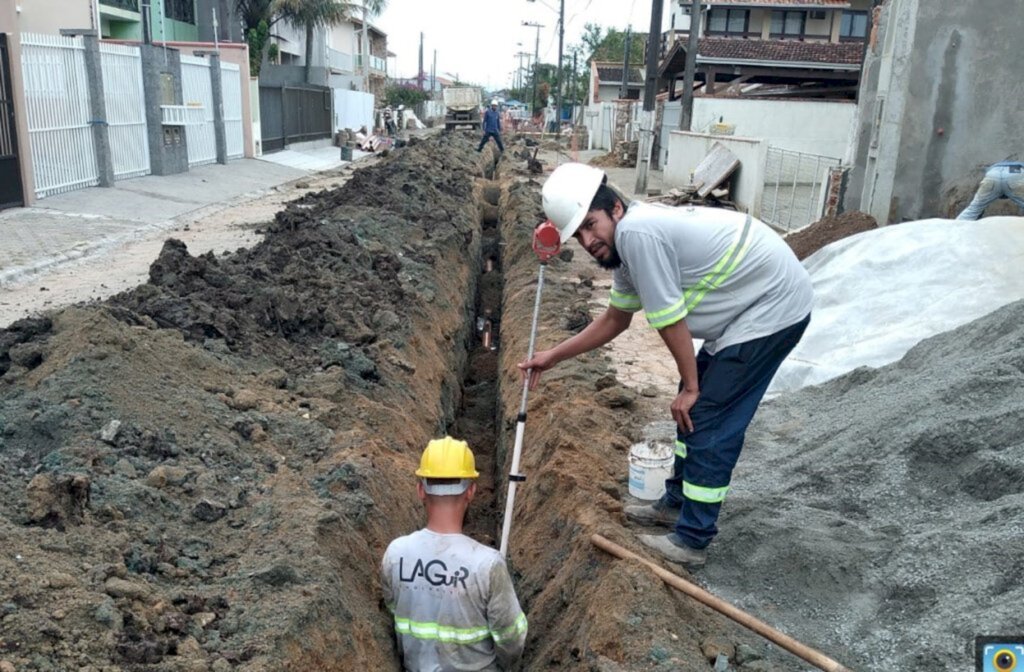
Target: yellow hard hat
point(447, 458)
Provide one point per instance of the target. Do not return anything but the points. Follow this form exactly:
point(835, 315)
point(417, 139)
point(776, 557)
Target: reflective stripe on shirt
point(452, 635)
point(719, 274)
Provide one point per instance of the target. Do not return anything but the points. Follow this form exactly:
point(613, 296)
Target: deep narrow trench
point(476, 421)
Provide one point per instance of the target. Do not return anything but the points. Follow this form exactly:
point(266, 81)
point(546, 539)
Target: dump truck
point(462, 107)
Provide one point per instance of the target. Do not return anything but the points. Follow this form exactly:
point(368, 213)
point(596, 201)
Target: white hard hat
point(401, 107)
point(494, 101)
point(567, 195)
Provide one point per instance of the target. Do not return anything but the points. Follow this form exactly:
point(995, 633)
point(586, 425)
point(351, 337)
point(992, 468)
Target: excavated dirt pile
point(809, 240)
point(201, 474)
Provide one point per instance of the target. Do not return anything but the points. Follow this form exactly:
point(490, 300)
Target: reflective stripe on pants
point(732, 383)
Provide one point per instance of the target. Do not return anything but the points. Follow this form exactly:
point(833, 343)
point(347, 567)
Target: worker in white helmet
point(695, 272)
point(452, 598)
point(492, 127)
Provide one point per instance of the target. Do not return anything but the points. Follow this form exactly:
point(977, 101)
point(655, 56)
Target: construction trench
point(202, 473)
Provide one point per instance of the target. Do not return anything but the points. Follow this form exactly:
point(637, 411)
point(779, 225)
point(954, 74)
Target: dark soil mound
point(809, 240)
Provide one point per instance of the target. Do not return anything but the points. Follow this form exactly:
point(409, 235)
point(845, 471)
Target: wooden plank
point(714, 169)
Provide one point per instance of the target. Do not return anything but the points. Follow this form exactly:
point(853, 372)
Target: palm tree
point(313, 14)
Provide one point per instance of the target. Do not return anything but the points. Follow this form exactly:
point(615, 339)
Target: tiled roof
point(779, 3)
point(785, 51)
point(612, 74)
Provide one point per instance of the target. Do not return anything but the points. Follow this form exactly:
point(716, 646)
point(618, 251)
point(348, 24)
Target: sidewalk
point(67, 227)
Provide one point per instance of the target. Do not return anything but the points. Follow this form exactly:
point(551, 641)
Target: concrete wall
point(686, 151)
point(813, 127)
point(939, 104)
point(49, 16)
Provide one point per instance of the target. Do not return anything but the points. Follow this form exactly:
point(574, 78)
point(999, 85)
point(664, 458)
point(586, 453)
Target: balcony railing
point(130, 5)
point(376, 63)
point(339, 60)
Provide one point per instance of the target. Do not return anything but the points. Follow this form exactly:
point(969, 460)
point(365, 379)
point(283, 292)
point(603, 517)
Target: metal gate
point(794, 188)
point(10, 169)
point(125, 103)
point(231, 86)
point(57, 105)
point(294, 114)
point(198, 93)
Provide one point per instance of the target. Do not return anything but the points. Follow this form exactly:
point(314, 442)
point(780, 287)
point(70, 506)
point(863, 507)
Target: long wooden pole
point(816, 658)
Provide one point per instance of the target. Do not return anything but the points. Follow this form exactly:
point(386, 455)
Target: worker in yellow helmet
point(452, 598)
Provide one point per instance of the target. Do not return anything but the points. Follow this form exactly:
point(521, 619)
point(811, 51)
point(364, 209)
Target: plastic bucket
point(346, 153)
point(649, 465)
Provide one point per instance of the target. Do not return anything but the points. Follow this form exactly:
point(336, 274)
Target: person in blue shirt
point(1002, 180)
point(492, 127)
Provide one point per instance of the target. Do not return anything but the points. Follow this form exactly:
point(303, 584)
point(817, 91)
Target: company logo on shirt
point(435, 572)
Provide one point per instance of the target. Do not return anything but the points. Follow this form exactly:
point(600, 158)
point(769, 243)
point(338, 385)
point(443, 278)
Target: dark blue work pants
point(491, 134)
point(732, 383)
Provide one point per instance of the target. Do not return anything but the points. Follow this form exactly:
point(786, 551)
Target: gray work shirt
point(453, 603)
point(728, 275)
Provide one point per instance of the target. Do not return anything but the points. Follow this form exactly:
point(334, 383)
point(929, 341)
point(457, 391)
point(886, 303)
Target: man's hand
point(541, 362)
point(681, 406)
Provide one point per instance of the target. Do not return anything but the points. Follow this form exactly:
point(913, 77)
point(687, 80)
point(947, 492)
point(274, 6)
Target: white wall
point(812, 127)
point(686, 150)
point(353, 110)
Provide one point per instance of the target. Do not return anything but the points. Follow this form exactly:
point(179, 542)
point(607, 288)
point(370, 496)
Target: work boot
point(672, 548)
point(658, 513)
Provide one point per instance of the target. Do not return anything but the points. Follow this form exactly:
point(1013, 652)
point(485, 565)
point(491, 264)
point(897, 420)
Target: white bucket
point(649, 465)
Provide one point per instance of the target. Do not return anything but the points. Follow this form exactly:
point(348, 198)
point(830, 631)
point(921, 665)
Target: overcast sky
point(477, 39)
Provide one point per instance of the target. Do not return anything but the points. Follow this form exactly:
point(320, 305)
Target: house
point(940, 101)
point(606, 82)
point(801, 48)
point(336, 57)
point(160, 112)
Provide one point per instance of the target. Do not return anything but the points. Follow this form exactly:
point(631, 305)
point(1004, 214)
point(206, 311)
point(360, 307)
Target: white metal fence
point(601, 120)
point(197, 91)
point(231, 89)
point(125, 102)
point(57, 102)
point(794, 188)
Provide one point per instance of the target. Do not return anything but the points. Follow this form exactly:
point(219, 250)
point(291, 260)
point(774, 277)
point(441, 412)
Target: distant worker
point(401, 117)
point(1002, 180)
point(492, 127)
point(695, 272)
point(452, 598)
point(389, 121)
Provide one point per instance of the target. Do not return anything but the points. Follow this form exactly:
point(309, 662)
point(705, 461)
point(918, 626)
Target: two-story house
point(803, 48)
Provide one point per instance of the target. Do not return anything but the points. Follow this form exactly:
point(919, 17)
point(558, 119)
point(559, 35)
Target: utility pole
point(575, 54)
point(624, 88)
point(686, 111)
point(536, 62)
point(558, 79)
point(433, 75)
point(419, 71)
point(643, 156)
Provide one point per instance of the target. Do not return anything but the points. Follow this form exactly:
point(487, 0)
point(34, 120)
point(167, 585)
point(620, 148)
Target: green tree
point(409, 96)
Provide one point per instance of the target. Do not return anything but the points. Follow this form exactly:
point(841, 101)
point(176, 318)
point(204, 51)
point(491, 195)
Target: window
point(854, 25)
point(788, 23)
point(180, 10)
point(728, 21)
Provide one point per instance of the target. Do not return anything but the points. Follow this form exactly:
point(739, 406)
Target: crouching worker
point(452, 598)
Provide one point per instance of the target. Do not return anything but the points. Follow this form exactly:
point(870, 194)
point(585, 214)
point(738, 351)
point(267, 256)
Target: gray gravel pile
point(880, 516)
